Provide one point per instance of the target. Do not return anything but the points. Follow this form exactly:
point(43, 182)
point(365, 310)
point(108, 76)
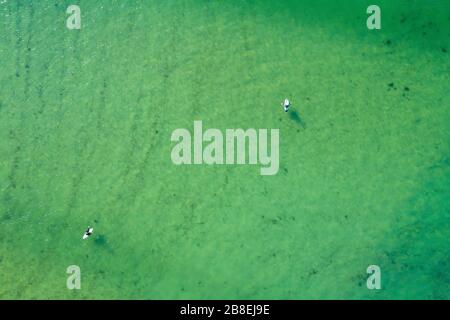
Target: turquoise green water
point(85, 123)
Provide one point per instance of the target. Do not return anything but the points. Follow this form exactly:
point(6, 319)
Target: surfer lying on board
point(286, 104)
point(88, 232)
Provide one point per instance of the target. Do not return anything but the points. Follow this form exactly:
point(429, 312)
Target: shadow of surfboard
point(294, 115)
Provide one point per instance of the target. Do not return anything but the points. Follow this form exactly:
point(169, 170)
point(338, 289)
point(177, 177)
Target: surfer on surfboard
point(286, 104)
point(88, 232)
